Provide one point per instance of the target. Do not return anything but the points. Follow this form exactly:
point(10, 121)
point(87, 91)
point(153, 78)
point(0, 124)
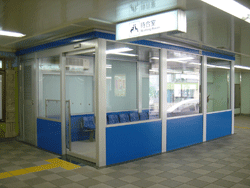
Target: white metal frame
point(163, 97)
point(32, 60)
point(204, 95)
point(100, 110)
point(232, 75)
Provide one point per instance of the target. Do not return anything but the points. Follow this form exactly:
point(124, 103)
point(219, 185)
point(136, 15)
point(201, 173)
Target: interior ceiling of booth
point(44, 20)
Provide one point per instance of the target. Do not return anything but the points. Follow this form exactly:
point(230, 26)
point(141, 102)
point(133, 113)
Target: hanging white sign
point(164, 22)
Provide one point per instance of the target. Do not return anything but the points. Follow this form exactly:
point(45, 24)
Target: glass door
point(80, 112)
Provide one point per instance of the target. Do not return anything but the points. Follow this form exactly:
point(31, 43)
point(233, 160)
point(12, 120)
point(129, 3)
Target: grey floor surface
point(220, 163)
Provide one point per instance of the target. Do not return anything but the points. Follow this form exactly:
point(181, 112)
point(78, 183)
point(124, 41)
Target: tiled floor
point(219, 163)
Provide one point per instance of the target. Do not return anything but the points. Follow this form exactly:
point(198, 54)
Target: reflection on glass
point(183, 84)
point(1, 64)
point(132, 77)
point(218, 85)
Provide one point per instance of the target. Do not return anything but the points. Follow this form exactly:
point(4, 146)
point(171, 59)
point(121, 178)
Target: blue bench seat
point(89, 125)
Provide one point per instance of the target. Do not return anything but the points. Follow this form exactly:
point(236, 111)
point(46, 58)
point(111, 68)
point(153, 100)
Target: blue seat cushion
point(88, 122)
point(124, 118)
point(134, 116)
point(112, 119)
point(143, 116)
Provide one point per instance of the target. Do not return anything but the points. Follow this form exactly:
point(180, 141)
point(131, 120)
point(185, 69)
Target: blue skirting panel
point(183, 132)
point(49, 135)
point(128, 142)
point(219, 124)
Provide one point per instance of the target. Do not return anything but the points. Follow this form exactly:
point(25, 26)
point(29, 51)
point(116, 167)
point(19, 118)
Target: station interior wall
point(11, 57)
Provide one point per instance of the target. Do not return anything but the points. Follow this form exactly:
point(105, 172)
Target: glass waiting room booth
point(109, 102)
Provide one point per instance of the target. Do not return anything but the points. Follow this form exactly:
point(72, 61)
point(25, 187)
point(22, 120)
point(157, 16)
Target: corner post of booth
point(232, 73)
point(232, 94)
point(204, 95)
point(63, 101)
point(36, 86)
point(100, 102)
point(139, 87)
point(163, 97)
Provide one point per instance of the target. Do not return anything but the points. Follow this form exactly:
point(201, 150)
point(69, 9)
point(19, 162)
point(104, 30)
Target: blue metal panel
point(211, 54)
point(182, 132)
point(49, 135)
point(104, 35)
point(83, 37)
point(124, 143)
point(216, 50)
point(219, 124)
point(166, 46)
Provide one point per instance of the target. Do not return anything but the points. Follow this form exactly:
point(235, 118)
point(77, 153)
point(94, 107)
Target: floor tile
point(143, 183)
point(129, 179)
point(72, 185)
point(197, 183)
point(16, 185)
point(170, 183)
point(101, 185)
point(156, 179)
point(51, 177)
point(157, 186)
point(103, 178)
point(224, 183)
point(43, 185)
point(207, 179)
point(153, 171)
point(77, 177)
point(116, 183)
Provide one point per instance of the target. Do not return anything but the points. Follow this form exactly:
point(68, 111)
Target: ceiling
point(44, 20)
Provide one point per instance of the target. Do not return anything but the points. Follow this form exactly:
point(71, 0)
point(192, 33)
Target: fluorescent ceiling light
point(124, 54)
point(180, 59)
point(118, 50)
point(220, 67)
point(11, 34)
point(77, 40)
point(232, 7)
point(108, 66)
point(173, 71)
point(195, 63)
point(241, 67)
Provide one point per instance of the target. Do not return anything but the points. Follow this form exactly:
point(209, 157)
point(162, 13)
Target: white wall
point(237, 81)
point(245, 93)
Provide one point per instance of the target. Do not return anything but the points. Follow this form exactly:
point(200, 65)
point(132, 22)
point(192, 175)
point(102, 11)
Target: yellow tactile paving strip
point(55, 163)
point(241, 127)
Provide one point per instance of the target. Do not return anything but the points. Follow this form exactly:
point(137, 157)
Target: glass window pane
point(1, 64)
point(132, 77)
point(183, 84)
point(80, 83)
point(218, 85)
point(49, 87)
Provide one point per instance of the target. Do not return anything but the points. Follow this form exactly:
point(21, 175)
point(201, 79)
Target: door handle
point(32, 102)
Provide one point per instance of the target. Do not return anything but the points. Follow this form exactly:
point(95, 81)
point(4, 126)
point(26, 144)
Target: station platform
point(219, 163)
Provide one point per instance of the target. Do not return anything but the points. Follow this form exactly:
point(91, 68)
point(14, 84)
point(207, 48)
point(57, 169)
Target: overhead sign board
point(160, 23)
